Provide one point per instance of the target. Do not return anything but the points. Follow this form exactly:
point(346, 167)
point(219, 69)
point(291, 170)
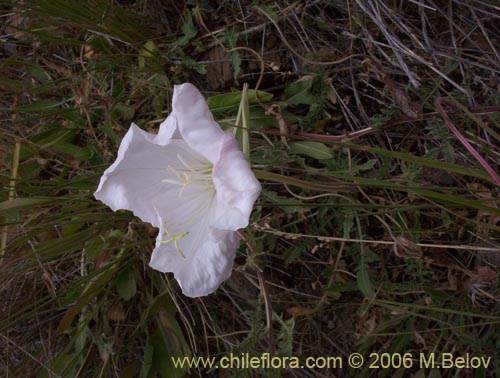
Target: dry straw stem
point(12, 188)
point(293, 236)
point(295, 52)
point(424, 185)
point(265, 293)
point(381, 13)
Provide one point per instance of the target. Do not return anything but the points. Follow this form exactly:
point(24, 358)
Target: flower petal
point(168, 130)
point(196, 122)
point(236, 186)
point(203, 258)
point(204, 271)
point(137, 174)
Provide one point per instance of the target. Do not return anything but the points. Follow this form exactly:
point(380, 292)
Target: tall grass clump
point(375, 133)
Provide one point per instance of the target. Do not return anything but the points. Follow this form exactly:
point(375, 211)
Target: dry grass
point(383, 238)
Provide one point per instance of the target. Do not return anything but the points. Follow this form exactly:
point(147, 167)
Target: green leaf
point(146, 52)
point(19, 203)
point(95, 247)
point(297, 249)
point(65, 365)
point(79, 153)
point(257, 120)
point(168, 341)
point(288, 204)
point(348, 221)
point(124, 111)
point(242, 123)
point(15, 83)
point(126, 285)
point(236, 62)
point(53, 133)
point(300, 92)
point(132, 370)
point(426, 162)
point(447, 199)
point(364, 256)
point(40, 105)
point(39, 73)
point(147, 359)
point(228, 101)
point(91, 291)
point(232, 37)
point(161, 359)
point(363, 280)
point(190, 63)
point(316, 150)
point(365, 166)
point(285, 337)
point(72, 227)
point(108, 130)
point(188, 29)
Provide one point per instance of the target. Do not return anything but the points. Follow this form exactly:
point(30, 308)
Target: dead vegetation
point(402, 257)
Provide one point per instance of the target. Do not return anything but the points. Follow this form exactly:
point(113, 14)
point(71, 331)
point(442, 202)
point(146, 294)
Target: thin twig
point(265, 293)
point(400, 121)
point(293, 236)
point(295, 52)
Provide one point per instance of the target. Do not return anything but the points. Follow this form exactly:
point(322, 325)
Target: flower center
point(199, 175)
point(196, 175)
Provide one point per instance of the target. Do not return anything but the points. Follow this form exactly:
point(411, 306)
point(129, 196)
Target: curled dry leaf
point(486, 274)
point(117, 314)
point(406, 249)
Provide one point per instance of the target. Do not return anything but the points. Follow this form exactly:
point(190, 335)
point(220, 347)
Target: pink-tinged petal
point(202, 272)
point(236, 186)
point(203, 258)
point(191, 181)
point(137, 174)
point(179, 208)
point(196, 122)
point(168, 130)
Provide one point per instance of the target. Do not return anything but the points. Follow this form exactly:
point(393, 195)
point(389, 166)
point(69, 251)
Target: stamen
point(173, 238)
point(199, 175)
point(168, 181)
point(186, 165)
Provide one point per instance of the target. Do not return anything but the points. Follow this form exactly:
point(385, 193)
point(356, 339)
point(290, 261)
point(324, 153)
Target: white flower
point(191, 181)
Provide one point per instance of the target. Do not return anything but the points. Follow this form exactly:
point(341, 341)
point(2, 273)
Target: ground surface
point(377, 229)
